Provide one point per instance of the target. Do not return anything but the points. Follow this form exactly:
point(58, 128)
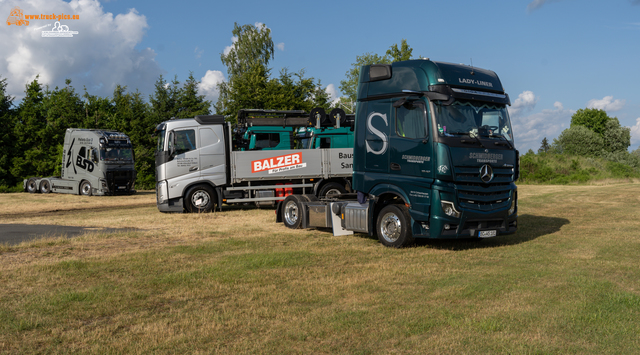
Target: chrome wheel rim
point(332, 192)
point(291, 213)
point(390, 227)
point(200, 199)
point(86, 188)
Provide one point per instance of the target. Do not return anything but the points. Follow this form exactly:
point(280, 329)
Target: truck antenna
point(472, 73)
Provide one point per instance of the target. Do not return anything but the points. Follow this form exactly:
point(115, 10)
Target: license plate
point(486, 234)
point(121, 187)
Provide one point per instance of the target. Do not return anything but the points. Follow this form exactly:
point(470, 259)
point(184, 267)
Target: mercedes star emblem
point(486, 173)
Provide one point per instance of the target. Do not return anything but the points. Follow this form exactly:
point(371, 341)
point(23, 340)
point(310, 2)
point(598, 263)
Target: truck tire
point(200, 199)
point(85, 188)
point(32, 187)
point(45, 186)
point(331, 188)
point(393, 226)
point(292, 212)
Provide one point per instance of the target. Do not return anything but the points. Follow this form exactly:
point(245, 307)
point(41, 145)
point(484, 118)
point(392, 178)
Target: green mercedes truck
point(433, 157)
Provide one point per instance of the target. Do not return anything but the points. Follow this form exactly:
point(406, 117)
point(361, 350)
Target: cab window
point(410, 121)
point(185, 141)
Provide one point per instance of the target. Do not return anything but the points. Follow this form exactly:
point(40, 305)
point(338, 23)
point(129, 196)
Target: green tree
point(544, 146)
point(594, 119)
point(164, 101)
point(295, 92)
point(403, 53)
point(578, 140)
point(253, 46)
point(131, 116)
point(190, 103)
point(247, 68)
point(65, 110)
point(97, 110)
point(249, 84)
point(349, 86)
point(31, 158)
point(7, 146)
point(616, 138)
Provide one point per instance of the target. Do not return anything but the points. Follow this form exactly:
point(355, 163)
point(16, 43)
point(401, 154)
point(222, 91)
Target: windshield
point(303, 139)
point(160, 146)
point(116, 154)
point(473, 118)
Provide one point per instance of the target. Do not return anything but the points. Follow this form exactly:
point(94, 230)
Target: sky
point(553, 57)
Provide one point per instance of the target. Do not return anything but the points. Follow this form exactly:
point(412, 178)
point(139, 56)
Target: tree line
point(32, 135)
point(594, 147)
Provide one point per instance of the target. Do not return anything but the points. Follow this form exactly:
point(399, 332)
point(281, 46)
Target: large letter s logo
point(378, 133)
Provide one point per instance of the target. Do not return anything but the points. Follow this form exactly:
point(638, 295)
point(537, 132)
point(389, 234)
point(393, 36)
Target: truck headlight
point(514, 204)
point(161, 192)
point(103, 185)
point(449, 209)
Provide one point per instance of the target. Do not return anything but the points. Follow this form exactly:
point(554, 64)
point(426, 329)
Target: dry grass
point(236, 282)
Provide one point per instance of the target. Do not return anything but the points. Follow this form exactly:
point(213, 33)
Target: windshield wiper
point(470, 135)
point(503, 142)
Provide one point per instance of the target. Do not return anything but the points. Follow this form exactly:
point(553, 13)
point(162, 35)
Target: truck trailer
point(434, 157)
point(203, 162)
point(94, 162)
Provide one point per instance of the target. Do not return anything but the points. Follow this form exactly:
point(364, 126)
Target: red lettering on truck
point(275, 162)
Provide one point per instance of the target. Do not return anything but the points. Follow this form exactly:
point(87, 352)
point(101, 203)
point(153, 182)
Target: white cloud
point(228, 49)
point(209, 85)
point(635, 132)
point(606, 104)
point(280, 46)
point(333, 93)
point(531, 129)
point(526, 101)
point(101, 55)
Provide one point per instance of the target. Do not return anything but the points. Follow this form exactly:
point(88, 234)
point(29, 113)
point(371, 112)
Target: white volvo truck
point(197, 167)
point(94, 162)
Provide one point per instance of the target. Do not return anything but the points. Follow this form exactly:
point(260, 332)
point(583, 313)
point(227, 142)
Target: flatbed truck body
point(199, 165)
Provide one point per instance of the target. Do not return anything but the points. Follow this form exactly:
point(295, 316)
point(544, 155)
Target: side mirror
point(172, 145)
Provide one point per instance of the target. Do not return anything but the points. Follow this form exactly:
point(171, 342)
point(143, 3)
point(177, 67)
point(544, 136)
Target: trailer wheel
point(292, 212)
point(394, 226)
point(32, 187)
point(200, 199)
point(331, 189)
point(85, 188)
point(45, 186)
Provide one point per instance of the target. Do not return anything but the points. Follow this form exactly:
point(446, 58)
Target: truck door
point(411, 153)
point(212, 154)
point(185, 158)
point(377, 137)
point(410, 148)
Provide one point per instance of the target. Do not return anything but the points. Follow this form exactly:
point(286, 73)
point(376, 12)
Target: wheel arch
point(346, 182)
point(216, 189)
point(387, 194)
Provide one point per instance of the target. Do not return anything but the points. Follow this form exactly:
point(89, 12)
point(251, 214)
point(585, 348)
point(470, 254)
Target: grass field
point(236, 282)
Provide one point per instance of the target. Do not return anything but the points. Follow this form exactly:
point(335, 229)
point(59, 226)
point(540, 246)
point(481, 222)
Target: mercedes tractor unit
point(434, 157)
point(94, 162)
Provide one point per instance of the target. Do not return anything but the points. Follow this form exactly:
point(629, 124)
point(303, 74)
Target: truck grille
point(120, 181)
point(474, 194)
